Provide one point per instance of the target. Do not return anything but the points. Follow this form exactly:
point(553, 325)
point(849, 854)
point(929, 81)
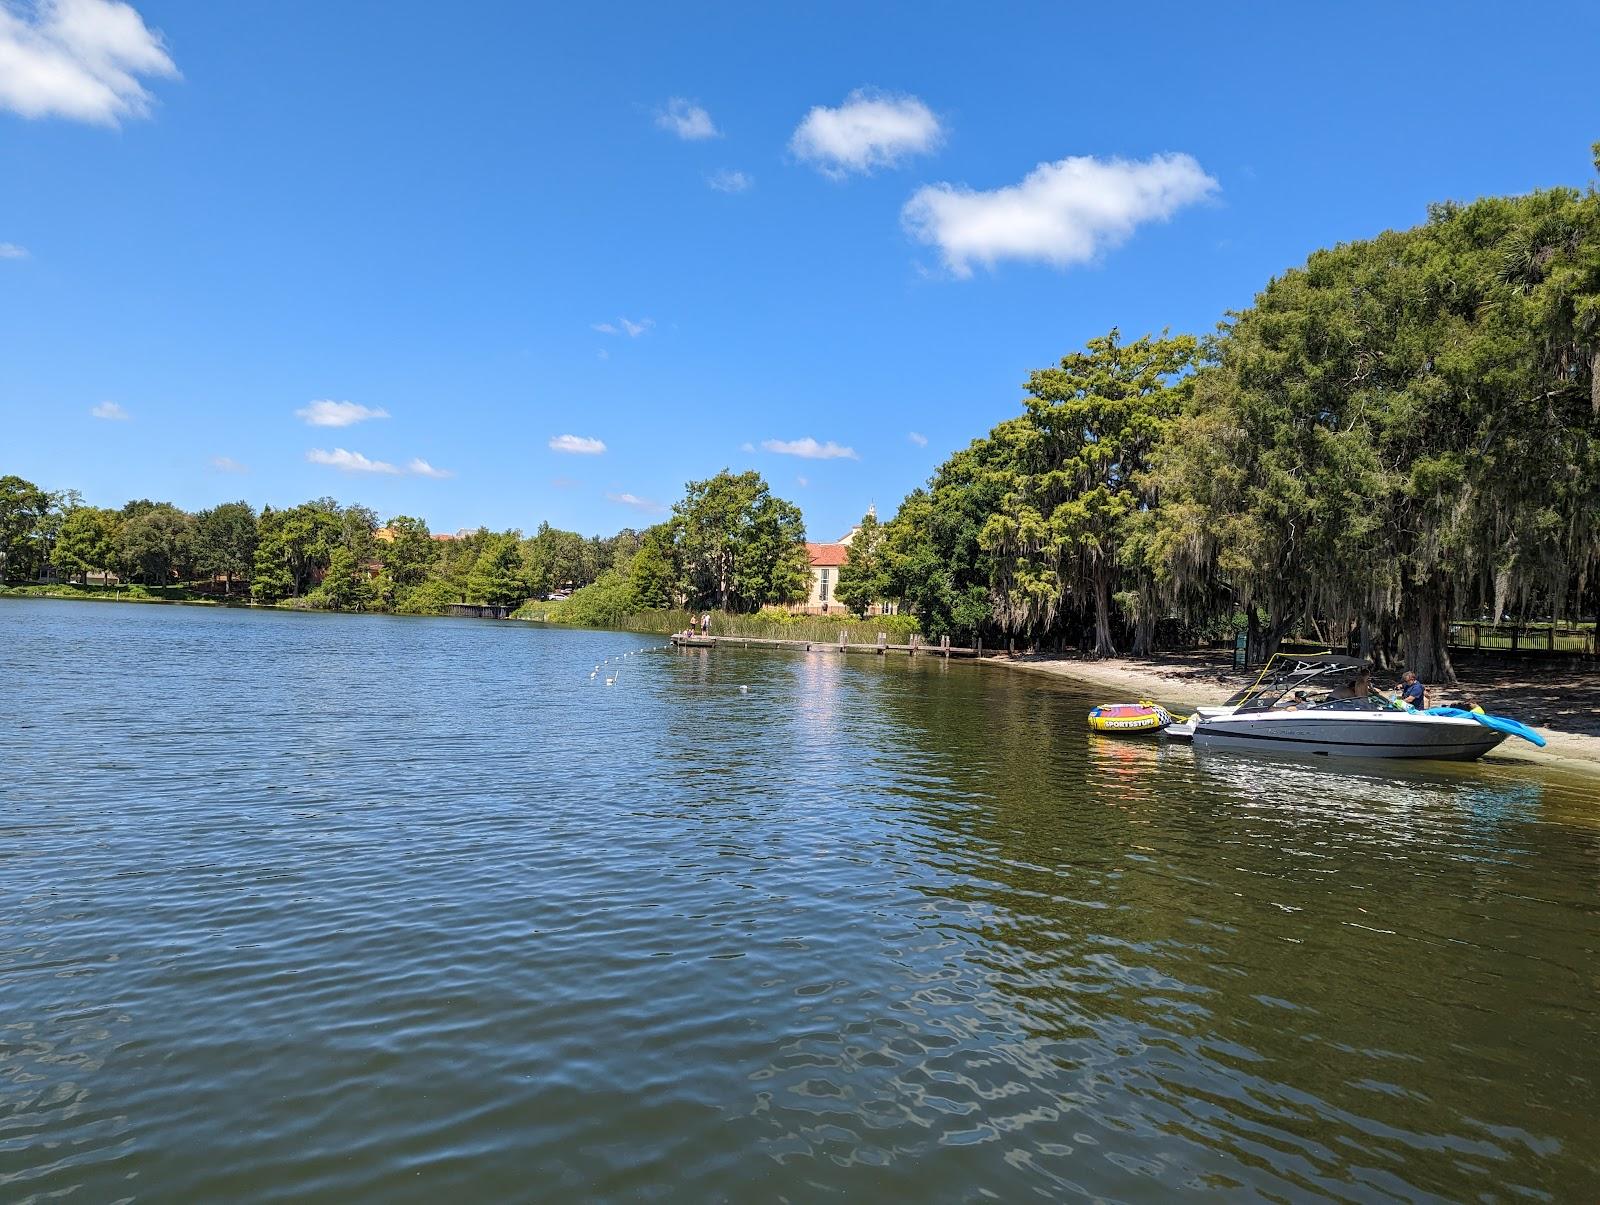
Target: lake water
point(360, 908)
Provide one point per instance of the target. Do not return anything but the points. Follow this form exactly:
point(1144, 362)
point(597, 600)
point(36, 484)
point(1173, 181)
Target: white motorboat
point(1324, 705)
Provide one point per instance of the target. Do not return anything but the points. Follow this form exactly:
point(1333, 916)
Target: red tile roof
point(829, 556)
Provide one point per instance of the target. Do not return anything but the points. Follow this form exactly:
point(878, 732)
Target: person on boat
point(1411, 691)
point(1357, 687)
point(1473, 706)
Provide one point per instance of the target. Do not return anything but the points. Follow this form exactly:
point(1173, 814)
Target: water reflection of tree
point(1312, 972)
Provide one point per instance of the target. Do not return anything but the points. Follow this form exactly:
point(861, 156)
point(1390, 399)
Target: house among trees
point(827, 563)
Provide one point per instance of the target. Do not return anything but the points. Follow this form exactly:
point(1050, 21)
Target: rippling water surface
point(333, 908)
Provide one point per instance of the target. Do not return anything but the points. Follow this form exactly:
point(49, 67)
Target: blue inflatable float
point(1499, 723)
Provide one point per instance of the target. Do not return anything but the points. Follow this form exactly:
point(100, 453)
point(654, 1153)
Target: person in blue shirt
point(1411, 691)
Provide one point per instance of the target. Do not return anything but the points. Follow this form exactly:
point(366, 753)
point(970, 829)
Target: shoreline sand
point(1563, 705)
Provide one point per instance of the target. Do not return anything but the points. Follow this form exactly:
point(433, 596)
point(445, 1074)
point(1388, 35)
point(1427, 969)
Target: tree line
point(730, 544)
point(1404, 430)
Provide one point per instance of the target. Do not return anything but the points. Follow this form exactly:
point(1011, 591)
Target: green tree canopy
point(864, 578)
point(411, 553)
point(156, 544)
point(499, 577)
point(23, 507)
point(225, 542)
point(89, 539)
point(739, 546)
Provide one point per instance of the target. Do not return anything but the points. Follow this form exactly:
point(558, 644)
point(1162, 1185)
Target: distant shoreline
point(1183, 680)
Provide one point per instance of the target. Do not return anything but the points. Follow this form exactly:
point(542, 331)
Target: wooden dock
point(917, 647)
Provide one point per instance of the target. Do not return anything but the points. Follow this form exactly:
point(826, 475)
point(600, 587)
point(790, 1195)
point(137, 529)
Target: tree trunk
point(1423, 616)
point(1261, 642)
point(1502, 587)
point(1103, 646)
point(1144, 626)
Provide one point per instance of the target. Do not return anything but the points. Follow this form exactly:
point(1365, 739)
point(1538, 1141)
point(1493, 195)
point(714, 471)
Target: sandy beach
point(1563, 704)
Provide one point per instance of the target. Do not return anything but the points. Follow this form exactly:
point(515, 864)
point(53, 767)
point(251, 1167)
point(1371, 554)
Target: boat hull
point(1350, 735)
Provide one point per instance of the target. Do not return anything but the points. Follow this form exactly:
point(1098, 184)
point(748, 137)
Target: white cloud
point(871, 129)
point(350, 462)
point(110, 410)
point(78, 59)
point(747, 446)
point(1062, 213)
point(802, 481)
point(809, 449)
point(227, 464)
point(729, 181)
point(624, 326)
point(638, 503)
point(338, 414)
point(421, 468)
point(687, 120)
point(578, 445)
point(12, 251)
point(918, 438)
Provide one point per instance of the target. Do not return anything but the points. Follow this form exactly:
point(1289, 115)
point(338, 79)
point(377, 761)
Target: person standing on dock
point(705, 623)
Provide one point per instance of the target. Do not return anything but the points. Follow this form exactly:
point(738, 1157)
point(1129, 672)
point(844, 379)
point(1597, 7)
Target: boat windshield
point(1322, 684)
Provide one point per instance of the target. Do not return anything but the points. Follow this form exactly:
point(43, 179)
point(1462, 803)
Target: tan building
point(826, 562)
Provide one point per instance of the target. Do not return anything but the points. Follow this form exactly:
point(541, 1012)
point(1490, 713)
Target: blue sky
point(840, 228)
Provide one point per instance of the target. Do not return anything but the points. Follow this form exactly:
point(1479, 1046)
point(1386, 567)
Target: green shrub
point(432, 597)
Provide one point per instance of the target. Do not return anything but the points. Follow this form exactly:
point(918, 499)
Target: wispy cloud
point(338, 414)
point(638, 503)
point(918, 438)
point(1061, 213)
point(747, 446)
point(802, 481)
point(870, 130)
point(349, 462)
point(809, 449)
point(624, 326)
point(729, 181)
point(12, 251)
point(577, 445)
point(687, 120)
point(78, 59)
point(421, 468)
point(227, 464)
point(110, 410)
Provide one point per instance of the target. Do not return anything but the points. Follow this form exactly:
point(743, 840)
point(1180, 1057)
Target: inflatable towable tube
point(1130, 718)
point(1500, 723)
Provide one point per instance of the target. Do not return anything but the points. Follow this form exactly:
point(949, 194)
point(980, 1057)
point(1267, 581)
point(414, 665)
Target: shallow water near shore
point(365, 908)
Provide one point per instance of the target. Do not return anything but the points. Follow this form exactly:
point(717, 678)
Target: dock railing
point(914, 646)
